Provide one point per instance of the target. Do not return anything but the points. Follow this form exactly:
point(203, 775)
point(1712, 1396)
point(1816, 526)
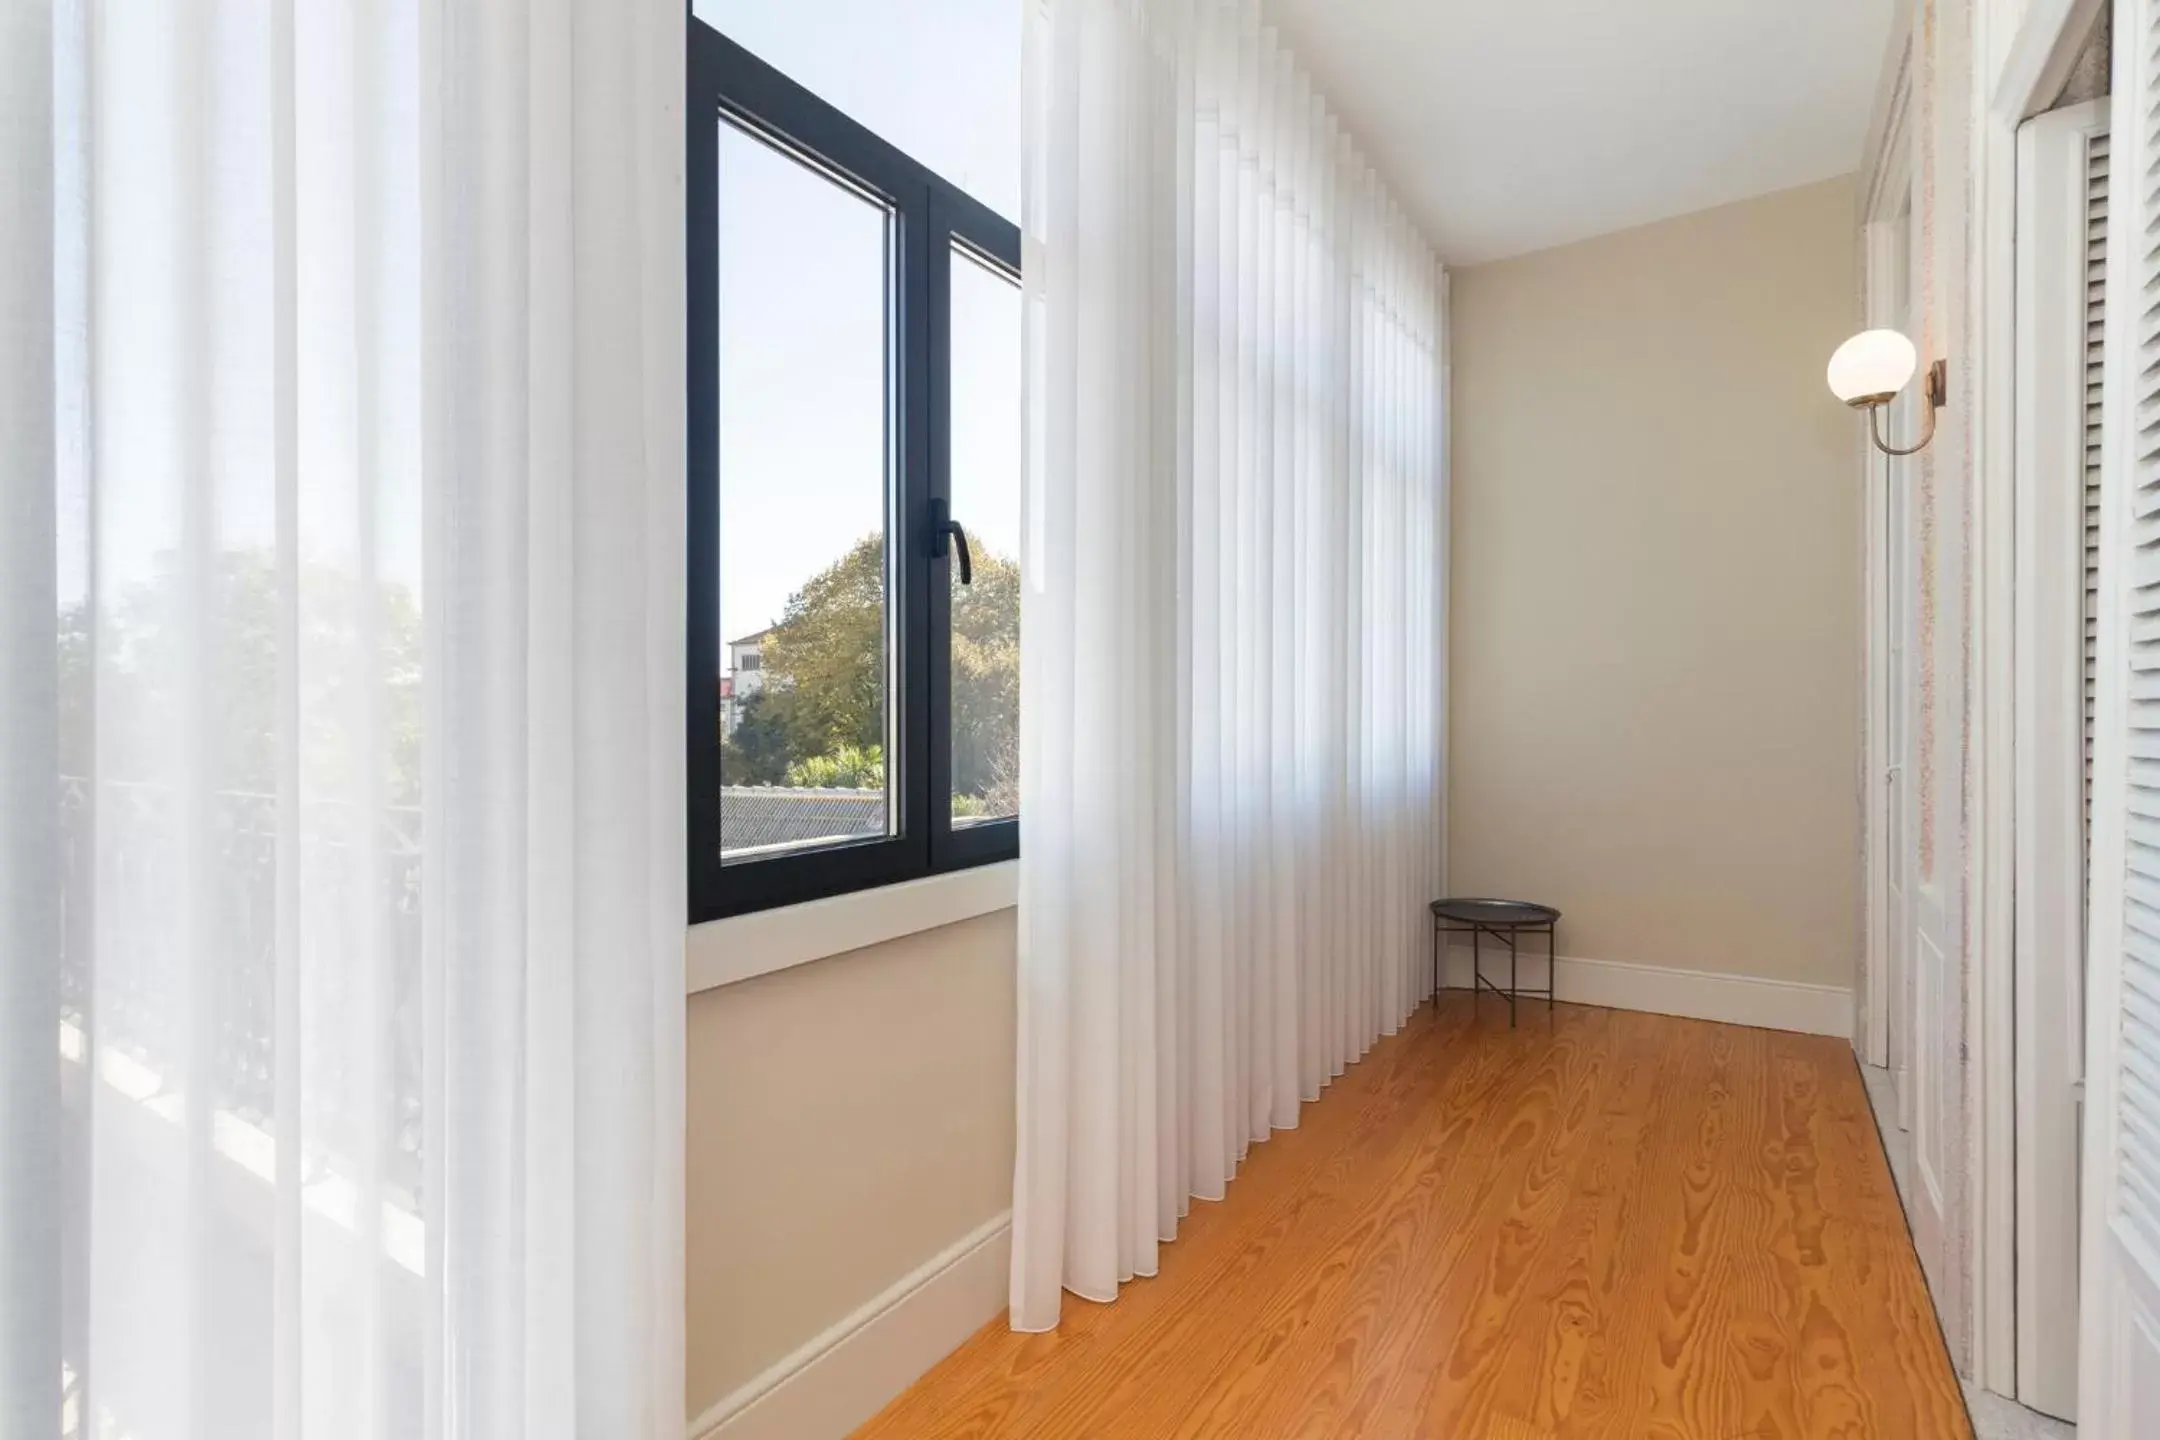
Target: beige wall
point(848, 1120)
point(1656, 665)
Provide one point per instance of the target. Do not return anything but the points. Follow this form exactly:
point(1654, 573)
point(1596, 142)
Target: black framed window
point(854, 503)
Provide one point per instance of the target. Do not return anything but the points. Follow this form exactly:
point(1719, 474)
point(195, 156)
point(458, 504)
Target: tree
point(825, 661)
point(986, 685)
point(821, 711)
point(759, 750)
point(360, 656)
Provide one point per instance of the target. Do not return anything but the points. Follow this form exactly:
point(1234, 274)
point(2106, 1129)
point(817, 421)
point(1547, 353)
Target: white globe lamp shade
point(1872, 366)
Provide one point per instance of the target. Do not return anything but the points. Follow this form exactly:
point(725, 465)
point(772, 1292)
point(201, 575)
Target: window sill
point(743, 947)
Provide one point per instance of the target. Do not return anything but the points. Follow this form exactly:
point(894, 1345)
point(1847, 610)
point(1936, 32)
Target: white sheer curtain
point(340, 751)
point(1232, 659)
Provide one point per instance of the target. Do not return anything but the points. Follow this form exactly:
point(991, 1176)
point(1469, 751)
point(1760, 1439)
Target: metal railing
point(170, 900)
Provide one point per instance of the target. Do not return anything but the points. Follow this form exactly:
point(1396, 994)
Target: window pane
point(938, 78)
point(804, 475)
point(985, 392)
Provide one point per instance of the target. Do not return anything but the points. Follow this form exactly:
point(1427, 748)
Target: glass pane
point(985, 393)
point(804, 464)
point(940, 79)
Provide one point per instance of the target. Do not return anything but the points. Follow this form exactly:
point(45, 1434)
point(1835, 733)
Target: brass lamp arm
point(1938, 394)
point(1875, 427)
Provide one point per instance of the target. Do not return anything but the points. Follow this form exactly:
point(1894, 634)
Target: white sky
point(986, 406)
point(938, 78)
point(802, 384)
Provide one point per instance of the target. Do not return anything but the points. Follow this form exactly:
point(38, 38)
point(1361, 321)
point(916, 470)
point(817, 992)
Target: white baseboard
point(1695, 994)
point(839, 1379)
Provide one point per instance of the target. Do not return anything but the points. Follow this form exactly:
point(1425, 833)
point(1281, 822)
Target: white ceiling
point(1512, 125)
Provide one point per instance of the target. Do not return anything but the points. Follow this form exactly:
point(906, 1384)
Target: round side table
point(1505, 921)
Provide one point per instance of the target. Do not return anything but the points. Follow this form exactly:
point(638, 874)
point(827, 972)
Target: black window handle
point(942, 527)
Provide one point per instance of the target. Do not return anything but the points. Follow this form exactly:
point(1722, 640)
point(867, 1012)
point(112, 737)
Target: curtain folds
point(1232, 655)
point(341, 361)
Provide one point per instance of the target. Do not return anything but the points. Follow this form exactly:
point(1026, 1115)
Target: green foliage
point(848, 768)
point(360, 683)
point(758, 752)
point(819, 719)
point(825, 660)
point(986, 687)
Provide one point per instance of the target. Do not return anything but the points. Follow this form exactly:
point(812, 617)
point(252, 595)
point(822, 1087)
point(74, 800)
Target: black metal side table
point(1505, 921)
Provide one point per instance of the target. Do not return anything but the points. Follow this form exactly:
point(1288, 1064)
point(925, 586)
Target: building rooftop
point(762, 817)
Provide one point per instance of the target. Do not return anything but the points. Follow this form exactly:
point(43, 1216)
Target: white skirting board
point(839, 1379)
point(1695, 994)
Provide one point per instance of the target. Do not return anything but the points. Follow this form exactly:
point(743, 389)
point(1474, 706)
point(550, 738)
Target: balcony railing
point(186, 891)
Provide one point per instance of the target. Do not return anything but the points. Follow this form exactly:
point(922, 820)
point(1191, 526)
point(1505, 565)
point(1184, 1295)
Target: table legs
point(1511, 935)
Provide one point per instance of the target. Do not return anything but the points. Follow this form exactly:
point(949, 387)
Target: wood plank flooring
point(1602, 1224)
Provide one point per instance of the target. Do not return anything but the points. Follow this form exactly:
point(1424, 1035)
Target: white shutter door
point(2119, 1349)
point(2062, 169)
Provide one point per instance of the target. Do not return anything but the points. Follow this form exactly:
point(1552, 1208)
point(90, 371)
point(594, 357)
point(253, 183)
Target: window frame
point(956, 219)
point(928, 215)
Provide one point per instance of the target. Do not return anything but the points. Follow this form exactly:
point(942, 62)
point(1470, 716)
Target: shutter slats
point(2139, 1010)
point(2096, 210)
point(2136, 547)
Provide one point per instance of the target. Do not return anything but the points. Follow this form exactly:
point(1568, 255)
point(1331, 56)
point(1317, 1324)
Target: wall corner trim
point(839, 1378)
point(1660, 990)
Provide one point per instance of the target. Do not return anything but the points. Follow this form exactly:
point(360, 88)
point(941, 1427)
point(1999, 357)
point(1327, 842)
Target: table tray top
point(1500, 913)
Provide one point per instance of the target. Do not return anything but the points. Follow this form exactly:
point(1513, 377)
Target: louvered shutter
point(2136, 546)
point(2096, 192)
point(2119, 1340)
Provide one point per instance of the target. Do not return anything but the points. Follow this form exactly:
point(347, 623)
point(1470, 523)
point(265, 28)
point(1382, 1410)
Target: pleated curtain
point(1233, 637)
point(341, 793)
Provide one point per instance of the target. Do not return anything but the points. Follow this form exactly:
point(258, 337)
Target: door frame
point(1892, 179)
point(2051, 398)
point(2022, 52)
point(1909, 147)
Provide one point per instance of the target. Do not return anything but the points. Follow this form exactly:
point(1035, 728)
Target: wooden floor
point(1603, 1224)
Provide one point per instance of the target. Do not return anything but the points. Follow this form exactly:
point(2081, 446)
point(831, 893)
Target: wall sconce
point(1869, 370)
